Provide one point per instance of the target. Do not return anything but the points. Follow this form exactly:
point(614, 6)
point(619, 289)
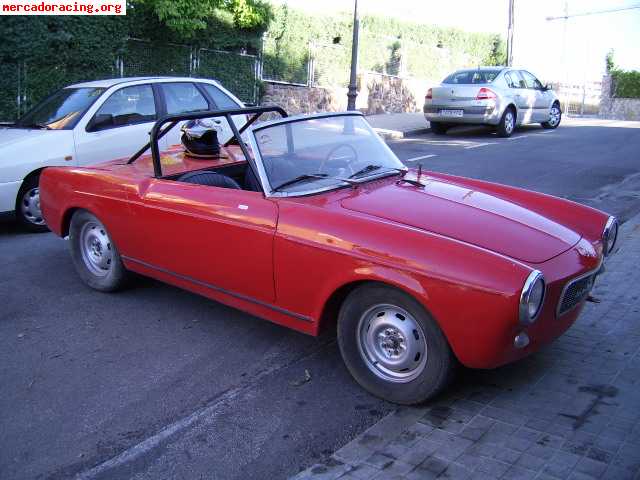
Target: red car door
point(219, 237)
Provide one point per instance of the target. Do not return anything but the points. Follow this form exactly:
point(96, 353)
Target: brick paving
point(571, 411)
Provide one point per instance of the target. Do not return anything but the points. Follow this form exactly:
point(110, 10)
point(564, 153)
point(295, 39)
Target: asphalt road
point(158, 383)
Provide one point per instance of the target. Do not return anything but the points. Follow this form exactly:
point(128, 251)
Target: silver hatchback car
point(500, 96)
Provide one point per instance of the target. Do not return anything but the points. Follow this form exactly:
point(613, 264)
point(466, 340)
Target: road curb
point(388, 134)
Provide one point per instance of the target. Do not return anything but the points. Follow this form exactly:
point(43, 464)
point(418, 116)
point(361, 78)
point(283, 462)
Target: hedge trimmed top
point(626, 84)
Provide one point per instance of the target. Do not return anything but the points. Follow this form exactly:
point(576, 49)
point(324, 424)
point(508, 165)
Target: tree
point(187, 17)
point(610, 65)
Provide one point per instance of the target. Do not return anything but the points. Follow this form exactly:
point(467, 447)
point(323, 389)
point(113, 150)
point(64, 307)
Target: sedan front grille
point(575, 292)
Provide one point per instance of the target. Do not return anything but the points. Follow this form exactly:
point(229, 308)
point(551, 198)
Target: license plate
point(451, 113)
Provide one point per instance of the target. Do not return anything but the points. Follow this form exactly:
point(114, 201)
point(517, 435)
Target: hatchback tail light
point(429, 94)
point(486, 94)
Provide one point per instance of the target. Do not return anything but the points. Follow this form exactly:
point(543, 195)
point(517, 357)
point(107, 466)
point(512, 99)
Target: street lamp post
point(353, 87)
point(510, 36)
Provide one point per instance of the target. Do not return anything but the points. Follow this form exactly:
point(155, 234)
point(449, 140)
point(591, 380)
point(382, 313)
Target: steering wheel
point(350, 159)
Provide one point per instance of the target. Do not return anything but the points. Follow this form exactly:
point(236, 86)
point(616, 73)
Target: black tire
point(507, 125)
point(85, 226)
point(555, 117)
point(28, 211)
point(439, 364)
point(439, 128)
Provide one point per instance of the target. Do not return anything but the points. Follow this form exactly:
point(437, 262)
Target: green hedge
point(41, 54)
point(430, 51)
point(626, 84)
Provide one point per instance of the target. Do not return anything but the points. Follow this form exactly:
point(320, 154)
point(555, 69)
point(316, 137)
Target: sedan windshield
point(313, 154)
point(62, 110)
point(471, 77)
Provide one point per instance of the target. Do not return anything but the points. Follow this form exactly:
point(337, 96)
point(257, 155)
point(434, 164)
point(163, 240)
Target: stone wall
point(617, 108)
point(377, 93)
point(301, 99)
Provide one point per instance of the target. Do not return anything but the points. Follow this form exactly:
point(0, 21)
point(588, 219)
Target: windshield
point(470, 77)
point(62, 110)
point(303, 156)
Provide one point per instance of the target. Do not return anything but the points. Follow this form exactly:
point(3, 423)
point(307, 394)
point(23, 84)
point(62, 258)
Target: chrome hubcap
point(96, 248)
point(508, 122)
point(554, 117)
point(392, 343)
point(30, 206)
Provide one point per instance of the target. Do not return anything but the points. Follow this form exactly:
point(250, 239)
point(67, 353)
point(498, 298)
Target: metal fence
point(22, 84)
point(580, 98)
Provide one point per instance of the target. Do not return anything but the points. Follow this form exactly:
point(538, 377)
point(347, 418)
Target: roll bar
point(157, 132)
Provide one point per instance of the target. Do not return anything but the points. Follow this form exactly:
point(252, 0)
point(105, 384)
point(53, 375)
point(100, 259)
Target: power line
point(595, 12)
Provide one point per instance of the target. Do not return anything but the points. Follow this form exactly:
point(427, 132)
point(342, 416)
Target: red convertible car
point(309, 221)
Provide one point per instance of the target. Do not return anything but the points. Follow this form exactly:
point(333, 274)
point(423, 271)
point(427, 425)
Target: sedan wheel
point(392, 346)
point(507, 123)
point(30, 206)
point(555, 116)
point(94, 254)
point(28, 209)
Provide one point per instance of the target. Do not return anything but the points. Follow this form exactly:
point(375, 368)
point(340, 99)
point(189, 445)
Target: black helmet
point(200, 137)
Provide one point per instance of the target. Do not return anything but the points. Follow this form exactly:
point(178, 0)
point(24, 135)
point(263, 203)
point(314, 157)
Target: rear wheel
point(392, 346)
point(94, 254)
point(555, 116)
point(507, 123)
point(28, 210)
point(439, 128)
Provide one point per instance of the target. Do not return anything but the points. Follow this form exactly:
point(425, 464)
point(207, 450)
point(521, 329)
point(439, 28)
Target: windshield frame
point(70, 126)
point(268, 189)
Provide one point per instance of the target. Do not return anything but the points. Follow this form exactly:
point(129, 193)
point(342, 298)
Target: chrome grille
point(575, 292)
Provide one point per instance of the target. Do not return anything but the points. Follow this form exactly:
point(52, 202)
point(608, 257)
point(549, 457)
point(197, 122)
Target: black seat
point(250, 181)
point(211, 179)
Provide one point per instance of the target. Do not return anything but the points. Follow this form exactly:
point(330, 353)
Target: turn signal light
point(486, 94)
point(429, 94)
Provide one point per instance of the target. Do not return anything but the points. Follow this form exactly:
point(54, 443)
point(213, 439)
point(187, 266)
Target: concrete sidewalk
point(571, 411)
point(398, 125)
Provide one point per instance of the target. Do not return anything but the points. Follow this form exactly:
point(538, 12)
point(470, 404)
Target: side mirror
point(100, 122)
point(546, 87)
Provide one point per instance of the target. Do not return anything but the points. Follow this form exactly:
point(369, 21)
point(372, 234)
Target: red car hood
point(468, 215)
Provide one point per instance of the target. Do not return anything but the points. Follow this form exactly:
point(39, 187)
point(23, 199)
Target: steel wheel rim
point(30, 206)
point(392, 343)
point(508, 122)
point(95, 245)
point(554, 118)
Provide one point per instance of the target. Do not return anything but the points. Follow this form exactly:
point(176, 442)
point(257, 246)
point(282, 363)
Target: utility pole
point(353, 86)
point(510, 35)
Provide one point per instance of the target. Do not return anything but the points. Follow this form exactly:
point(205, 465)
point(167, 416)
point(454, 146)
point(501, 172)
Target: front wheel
point(555, 116)
point(28, 210)
point(94, 254)
point(392, 346)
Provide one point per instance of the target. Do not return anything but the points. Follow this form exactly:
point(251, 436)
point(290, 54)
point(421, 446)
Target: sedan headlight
point(609, 236)
point(532, 297)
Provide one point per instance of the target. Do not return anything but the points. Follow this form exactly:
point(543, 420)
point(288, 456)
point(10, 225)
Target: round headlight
point(610, 235)
point(531, 298)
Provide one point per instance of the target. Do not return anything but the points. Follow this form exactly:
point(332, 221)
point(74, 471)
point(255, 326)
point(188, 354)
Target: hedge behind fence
point(40, 54)
point(626, 84)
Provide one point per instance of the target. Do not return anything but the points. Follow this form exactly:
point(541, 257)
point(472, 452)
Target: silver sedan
point(499, 96)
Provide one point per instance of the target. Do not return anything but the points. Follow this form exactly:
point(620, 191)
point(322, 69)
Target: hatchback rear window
point(469, 77)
